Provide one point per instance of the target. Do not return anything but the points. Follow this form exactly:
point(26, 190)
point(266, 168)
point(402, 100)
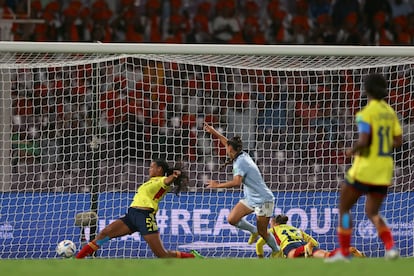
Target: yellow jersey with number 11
point(375, 164)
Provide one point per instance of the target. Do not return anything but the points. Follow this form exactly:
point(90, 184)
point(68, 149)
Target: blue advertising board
point(31, 224)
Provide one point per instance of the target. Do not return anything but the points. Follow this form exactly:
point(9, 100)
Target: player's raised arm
point(215, 133)
point(235, 182)
point(173, 176)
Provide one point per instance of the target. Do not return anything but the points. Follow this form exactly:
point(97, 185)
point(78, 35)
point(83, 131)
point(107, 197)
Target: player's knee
point(262, 233)
point(372, 215)
point(232, 221)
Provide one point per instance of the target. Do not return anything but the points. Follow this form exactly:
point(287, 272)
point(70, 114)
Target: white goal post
point(80, 123)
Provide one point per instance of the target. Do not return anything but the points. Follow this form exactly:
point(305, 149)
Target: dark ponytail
point(180, 182)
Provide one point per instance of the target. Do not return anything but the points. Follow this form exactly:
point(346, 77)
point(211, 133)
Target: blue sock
point(104, 240)
point(271, 241)
point(245, 225)
point(346, 221)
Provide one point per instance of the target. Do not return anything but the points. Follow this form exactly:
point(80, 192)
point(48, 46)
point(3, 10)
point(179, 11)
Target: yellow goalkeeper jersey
point(284, 235)
point(150, 193)
point(374, 164)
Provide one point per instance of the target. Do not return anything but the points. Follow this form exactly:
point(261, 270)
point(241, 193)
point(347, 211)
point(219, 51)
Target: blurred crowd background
point(296, 124)
point(355, 22)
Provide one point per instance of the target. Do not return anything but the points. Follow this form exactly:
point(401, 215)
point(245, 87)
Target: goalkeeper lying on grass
point(295, 243)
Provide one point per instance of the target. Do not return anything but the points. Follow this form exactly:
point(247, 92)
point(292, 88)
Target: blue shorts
point(295, 245)
point(292, 246)
point(367, 189)
point(142, 221)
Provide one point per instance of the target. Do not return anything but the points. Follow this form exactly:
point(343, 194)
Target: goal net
point(80, 124)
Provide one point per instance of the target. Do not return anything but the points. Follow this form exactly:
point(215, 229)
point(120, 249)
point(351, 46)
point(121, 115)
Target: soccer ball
point(66, 248)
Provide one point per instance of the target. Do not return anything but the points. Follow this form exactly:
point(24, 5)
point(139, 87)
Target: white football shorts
point(264, 210)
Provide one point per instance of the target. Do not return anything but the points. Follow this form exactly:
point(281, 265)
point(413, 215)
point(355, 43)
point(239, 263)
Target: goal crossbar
point(206, 49)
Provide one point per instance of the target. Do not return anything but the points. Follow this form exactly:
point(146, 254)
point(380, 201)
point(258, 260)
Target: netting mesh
point(81, 124)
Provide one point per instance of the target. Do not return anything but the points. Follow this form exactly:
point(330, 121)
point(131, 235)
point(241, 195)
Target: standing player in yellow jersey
point(141, 214)
point(294, 242)
point(372, 168)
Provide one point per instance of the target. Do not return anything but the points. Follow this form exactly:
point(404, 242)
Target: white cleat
point(392, 254)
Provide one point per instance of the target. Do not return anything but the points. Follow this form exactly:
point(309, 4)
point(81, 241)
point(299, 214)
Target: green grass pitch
point(210, 267)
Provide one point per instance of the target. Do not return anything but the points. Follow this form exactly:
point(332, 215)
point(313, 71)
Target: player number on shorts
point(151, 223)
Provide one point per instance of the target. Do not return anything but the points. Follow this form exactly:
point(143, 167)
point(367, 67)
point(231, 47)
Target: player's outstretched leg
point(196, 254)
point(116, 229)
point(154, 242)
point(178, 254)
point(245, 225)
point(88, 250)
